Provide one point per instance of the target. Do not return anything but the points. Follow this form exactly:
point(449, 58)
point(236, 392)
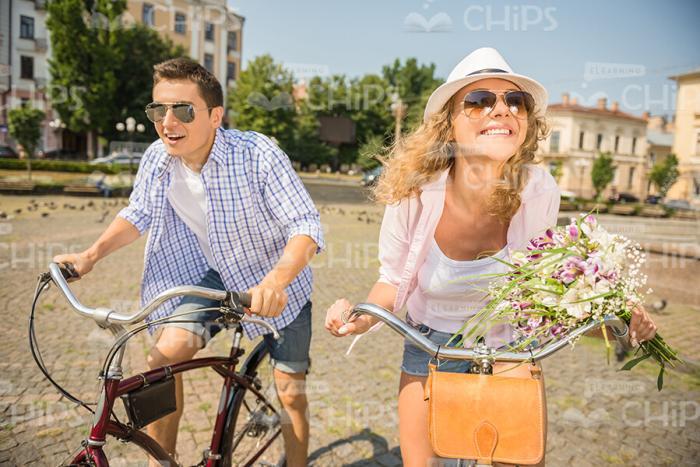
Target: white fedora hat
point(483, 63)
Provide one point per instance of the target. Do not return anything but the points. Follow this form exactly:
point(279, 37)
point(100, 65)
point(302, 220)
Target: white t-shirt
point(450, 292)
point(189, 200)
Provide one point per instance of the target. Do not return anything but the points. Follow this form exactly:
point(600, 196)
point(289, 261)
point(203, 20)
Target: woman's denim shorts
point(415, 361)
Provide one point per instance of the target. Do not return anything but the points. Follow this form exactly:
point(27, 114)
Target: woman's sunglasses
point(478, 104)
point(183, 111)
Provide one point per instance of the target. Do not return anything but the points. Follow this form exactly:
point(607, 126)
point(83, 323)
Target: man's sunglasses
point(480, 103)
point(155, 111)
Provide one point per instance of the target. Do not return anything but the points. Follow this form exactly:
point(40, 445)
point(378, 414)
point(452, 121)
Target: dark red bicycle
point(248, 425)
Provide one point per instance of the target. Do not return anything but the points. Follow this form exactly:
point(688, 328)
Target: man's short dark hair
point(179, 69)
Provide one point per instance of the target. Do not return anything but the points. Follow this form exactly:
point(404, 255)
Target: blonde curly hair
point(430, 149)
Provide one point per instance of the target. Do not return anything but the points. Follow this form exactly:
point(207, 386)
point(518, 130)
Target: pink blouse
point(409, 226)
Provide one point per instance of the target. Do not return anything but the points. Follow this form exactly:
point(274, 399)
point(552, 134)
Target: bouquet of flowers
point(567, 278)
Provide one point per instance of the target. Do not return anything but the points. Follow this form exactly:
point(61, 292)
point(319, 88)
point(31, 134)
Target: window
point(230, 71)
point(209, 62)
point(148, 15)
point(180, 23)
point(26, 67)
point(554, 142)
point(580, 140)
point(617, 143)
point(209, 32)
point(634, 144)
point(26, 27)
point(630, 178)
point(232, 41)
point(599, 141)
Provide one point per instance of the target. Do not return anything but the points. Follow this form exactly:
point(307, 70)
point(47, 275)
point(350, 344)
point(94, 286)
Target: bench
point(16, 186)
point(82, 189)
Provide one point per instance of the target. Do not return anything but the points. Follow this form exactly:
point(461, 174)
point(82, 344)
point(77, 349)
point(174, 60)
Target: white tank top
point(450, 295)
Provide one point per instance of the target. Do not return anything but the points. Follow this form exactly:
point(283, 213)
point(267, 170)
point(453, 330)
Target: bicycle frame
point(114, 387)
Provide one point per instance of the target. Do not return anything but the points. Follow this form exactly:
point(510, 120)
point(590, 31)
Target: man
point(225, 210)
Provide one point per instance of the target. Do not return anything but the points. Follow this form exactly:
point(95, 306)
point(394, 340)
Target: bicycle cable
point(36, 352)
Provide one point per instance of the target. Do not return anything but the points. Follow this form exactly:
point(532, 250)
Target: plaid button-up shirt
point(255, 204)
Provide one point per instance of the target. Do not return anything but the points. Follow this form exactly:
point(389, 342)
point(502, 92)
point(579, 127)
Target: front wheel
point(253, 430)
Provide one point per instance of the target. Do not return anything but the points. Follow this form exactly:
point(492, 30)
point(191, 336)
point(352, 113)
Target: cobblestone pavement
point(597, 415)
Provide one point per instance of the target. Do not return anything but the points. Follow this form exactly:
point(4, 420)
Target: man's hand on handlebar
point(80, 262)
point(267, 299)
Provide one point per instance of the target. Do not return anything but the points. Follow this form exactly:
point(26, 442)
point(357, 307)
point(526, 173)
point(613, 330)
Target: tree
point(24, 124)
point(556, 168)
point(370, 152)
point(101, 67)
point(84, 50)
point(414, 84)
point(262, 100)
point(602, 172)
point(664, 174)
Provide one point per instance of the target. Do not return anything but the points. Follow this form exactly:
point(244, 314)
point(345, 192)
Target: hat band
point(487, 70)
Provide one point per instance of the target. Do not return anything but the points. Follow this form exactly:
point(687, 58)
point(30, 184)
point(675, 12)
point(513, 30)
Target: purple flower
point(573, 232)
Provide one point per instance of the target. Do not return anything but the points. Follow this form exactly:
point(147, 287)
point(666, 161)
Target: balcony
point(41, 44)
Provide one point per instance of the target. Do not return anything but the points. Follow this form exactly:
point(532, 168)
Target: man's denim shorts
point(415, 361)
point(289, 353)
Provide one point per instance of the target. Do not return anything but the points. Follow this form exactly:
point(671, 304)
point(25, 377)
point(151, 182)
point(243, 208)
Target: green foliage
point(370, 151)
point(664, 174)
point(24, 124)
point(101, 68)
point(602, 173)
point(62, 166)
point(414, 83)
point(262, 101)
point(557, 169)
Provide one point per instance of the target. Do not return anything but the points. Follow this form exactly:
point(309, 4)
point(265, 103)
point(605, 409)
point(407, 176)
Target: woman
point(461, 185)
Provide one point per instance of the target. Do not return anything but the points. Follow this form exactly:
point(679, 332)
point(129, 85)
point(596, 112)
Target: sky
point(623, 50)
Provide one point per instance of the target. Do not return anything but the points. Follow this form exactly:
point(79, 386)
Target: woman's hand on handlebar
point(81, 262)
point(339, 311)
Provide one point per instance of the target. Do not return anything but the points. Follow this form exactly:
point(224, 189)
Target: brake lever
point(265, 324)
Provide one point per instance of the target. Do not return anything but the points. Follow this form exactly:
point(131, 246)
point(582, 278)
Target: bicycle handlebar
point(481, 351)
point(106, 316)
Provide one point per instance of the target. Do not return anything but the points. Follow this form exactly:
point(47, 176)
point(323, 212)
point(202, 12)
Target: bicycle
point(484, 357)
point(248, 423)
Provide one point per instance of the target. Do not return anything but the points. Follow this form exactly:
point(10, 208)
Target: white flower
point(578, 310)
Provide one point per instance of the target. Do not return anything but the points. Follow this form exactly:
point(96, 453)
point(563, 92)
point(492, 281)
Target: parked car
point(7, 151)
point(653, 199)
point(568, 195)
point(120, 158)
point(370, 177)
point(680, 204)
point(623, 198)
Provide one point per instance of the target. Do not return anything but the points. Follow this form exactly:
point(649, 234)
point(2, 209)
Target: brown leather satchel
point(490, 418)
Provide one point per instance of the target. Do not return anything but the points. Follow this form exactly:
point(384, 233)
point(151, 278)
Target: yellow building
point(686, 144)
point(579, 133)
point(207, 29)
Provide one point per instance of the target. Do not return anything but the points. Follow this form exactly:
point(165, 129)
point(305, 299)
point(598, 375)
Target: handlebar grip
point(68, 271)
point(245, 298)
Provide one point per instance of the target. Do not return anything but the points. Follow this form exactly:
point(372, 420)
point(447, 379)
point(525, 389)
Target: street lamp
point(581, 164)
point(130, 127)
point(398, 109)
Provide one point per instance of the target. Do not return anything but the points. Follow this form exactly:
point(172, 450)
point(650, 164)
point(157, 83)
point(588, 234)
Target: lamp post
point(581, 165)
point(130, 127)
point(398, 109)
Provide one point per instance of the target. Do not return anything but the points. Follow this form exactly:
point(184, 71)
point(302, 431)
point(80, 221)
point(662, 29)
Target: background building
point(578, 134)
point(686, 144)
point(208, 31)
point(24, 68)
